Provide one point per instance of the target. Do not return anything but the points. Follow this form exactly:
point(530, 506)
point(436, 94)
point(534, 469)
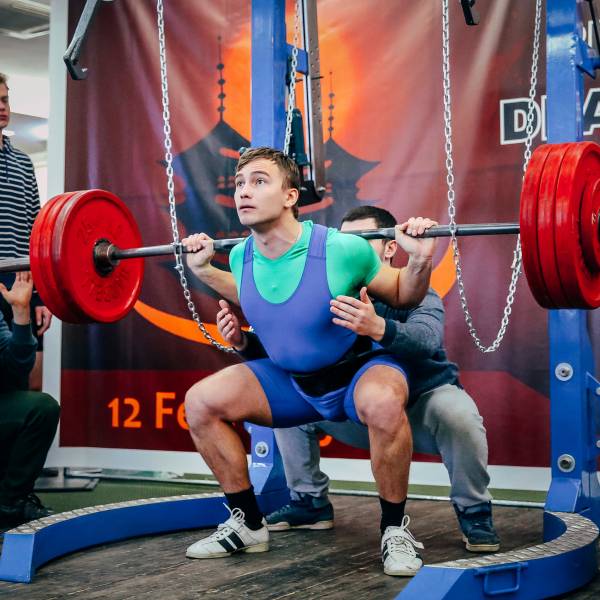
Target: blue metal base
point(548, 569)
point(28, 547)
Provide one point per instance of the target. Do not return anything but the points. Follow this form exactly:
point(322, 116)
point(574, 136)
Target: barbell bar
point(86, 251)
point(107, 255)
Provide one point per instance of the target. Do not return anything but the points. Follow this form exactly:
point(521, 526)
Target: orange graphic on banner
point(443, 275)
point(179, 326)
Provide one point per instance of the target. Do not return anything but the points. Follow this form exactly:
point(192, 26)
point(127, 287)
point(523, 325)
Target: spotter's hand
point(358, 315)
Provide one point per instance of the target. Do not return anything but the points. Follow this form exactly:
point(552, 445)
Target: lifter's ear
point(292, 195)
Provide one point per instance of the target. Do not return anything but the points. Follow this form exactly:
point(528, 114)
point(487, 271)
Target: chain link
point(517, 258)
point(179, 267)
point(293, 72)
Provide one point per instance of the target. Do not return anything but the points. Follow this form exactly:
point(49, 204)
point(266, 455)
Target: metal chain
point(293, 71)
point(517, 258)
point(532, 85)
point(170, 184)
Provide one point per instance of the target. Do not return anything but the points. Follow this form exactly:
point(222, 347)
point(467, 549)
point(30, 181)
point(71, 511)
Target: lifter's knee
point(381, 405)
point(203, 403)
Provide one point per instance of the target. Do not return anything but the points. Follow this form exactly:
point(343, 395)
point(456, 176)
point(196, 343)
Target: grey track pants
point(444, 421)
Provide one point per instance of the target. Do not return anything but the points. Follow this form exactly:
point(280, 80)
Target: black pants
point(28, 422)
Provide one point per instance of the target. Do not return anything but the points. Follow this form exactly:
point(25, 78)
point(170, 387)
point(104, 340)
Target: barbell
point(86, 254)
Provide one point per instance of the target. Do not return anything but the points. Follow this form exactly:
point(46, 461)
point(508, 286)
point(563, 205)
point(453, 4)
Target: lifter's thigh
point(232, 394)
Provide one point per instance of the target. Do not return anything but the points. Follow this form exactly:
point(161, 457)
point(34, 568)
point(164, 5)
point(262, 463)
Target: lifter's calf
point(380, 398)
point(212, 404)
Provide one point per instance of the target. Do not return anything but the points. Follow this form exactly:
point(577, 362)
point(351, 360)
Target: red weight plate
point(589, 225)
point(546, 229)
point(40, 276)
point(43, 276)
point(85, 219)
point(71, 312)
point(580, 167)
point(528, 226)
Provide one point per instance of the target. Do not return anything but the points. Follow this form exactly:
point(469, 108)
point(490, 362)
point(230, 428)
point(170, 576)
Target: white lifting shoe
point(232, 536)
point(398, 550)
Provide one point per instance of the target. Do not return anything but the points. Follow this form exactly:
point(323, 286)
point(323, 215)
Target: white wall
point(55, 185)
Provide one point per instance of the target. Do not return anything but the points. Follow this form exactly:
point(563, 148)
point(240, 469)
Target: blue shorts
point(290, 406)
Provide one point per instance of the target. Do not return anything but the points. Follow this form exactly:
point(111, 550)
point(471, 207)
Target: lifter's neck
point(275, 240)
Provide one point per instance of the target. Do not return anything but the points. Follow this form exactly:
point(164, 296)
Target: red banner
point(384, 143)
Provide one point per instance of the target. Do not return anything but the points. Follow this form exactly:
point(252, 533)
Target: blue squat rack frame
point(567, 557)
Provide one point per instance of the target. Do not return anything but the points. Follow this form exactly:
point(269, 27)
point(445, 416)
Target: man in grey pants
point(443, 417)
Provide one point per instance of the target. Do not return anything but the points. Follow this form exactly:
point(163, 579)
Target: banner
point(123, 384)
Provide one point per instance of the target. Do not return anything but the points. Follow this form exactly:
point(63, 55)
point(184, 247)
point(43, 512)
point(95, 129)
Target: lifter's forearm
point(413, 281)
point(222, 282)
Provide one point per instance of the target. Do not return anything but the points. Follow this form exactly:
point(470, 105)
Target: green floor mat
point(107, 492)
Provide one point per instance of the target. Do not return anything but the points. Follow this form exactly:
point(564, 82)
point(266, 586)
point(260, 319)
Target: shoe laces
point(402, 540)
point(284, 510)
point(224, 529)
point(479, 523)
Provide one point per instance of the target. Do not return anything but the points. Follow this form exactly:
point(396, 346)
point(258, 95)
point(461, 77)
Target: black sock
point(392, 513)
point(246, 502)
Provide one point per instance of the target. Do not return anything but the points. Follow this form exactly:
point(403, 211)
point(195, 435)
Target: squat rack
point(572, 509)
point(567, 558)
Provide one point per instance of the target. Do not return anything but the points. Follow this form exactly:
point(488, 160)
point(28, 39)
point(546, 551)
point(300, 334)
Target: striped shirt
point(19, 201)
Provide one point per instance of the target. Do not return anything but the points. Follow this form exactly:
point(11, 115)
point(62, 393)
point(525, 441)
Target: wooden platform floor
point(343, 563)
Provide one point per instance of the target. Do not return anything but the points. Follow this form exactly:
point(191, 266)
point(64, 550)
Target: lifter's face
point(385, 249)
point(260, 197)
point(4, 106)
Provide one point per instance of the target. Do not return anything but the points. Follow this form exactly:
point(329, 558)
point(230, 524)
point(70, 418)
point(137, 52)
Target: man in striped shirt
point(19, 206)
